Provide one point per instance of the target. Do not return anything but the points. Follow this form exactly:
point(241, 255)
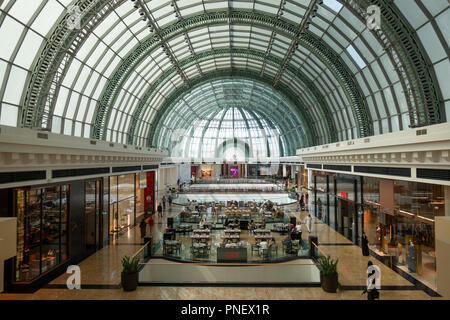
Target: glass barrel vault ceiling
point(218, 112)
point(114, 77)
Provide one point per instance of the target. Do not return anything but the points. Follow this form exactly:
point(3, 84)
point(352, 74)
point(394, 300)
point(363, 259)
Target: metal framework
point(114, 78)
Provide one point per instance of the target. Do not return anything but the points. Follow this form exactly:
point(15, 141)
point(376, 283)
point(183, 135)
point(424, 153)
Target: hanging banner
point(143, 180)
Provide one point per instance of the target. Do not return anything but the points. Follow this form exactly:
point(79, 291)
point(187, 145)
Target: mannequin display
point(411, 257)
point(378, 237)
point(400, 256)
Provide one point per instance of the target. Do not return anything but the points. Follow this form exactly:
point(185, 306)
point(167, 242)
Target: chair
point(255, 247)
point(264, 253)
point(287, 247)
point(274, 248)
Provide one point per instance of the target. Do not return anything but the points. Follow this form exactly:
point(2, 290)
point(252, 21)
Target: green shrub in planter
point(328, 274)
point(129, 274)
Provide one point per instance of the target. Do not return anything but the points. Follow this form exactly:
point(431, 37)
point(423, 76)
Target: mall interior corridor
point(101, 275)
point(224, 150)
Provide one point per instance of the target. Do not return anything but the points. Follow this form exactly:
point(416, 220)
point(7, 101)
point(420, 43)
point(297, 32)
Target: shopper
point(302, 202)
point(160, 211)
point(150, 210)
point(308, 222)
point(164, 202)
point(263, 246)
point(372, 294)
point(143, 227)
point(364, 245)
point(169, 198)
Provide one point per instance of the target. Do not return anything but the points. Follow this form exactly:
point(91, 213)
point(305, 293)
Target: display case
point(42, 230)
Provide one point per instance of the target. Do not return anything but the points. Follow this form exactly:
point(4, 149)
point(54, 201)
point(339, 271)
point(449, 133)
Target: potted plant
point(328, 274)
point(129, 273)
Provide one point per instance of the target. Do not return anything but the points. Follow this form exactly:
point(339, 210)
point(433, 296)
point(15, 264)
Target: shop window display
point(122, 202)
point(42, 230)
point(406, 235)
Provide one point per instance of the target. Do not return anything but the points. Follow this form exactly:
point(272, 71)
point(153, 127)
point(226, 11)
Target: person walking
point(160, 211)
point(164, 202)
point(372, 294)
point(302, 202)
point(364, 245)
point(150, 210)
point(308, 222)
point(143, 227)
point(169, 198)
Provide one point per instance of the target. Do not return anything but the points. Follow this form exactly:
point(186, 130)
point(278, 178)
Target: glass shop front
point(397, 217)
point(399, 223)
point(336, 202)
point(42, 224)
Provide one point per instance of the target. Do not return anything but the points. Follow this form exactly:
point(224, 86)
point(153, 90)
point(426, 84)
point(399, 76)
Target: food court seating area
point(199, 241)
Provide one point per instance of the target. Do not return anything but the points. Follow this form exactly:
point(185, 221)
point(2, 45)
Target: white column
point(447, 200)
point(310, 182)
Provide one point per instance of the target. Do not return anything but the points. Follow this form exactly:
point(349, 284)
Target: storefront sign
point(344, 194)
point(231, 254)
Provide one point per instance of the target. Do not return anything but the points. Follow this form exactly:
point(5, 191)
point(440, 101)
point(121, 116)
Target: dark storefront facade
point(62, 224)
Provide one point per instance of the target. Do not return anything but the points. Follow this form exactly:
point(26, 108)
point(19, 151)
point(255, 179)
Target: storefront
point(397, 217)
point(42, 230)
point(399, 224)
point(122, 206)
point(335, 202)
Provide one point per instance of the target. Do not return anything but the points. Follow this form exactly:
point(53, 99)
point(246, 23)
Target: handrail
point(231, 264)
point(139, 251)
point(314, 244)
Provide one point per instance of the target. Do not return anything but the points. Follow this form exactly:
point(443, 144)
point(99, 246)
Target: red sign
point(344, 194)
point(231, 254)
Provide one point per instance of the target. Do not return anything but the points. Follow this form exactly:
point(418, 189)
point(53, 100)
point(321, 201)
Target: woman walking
point(308, 222)
point(143, 227)
point(364, 245)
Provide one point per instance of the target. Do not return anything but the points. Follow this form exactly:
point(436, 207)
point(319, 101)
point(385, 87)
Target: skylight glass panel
point(47, 17)
point(333, 4)
point(23, 10)
point(356, 57)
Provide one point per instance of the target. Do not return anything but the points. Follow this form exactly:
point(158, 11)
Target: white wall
point(269, 273)
point(442, 227)
point(166, 176)
point(8, 243)
point(217, 170)
point(184, 172)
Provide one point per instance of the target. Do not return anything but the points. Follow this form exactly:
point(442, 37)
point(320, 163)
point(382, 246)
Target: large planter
point(129, 281)
point(329, 282)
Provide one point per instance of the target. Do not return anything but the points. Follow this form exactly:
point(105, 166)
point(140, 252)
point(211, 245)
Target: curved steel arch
point(50, 69)
point(182, 122)
point(401, 42)
point(55, 58)
point(303, 115)
point(324, 108)
point(214, 101)
point(308, 39)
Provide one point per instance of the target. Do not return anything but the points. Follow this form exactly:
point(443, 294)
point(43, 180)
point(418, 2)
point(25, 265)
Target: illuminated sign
point(232, 254)
point(344, 194)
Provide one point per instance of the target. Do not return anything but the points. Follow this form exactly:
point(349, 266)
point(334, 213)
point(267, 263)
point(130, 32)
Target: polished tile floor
point(100, 274)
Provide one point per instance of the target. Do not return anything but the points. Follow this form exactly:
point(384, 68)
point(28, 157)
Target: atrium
point(231, 144)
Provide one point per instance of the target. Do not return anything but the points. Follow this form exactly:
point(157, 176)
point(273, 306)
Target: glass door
point(93, 208)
